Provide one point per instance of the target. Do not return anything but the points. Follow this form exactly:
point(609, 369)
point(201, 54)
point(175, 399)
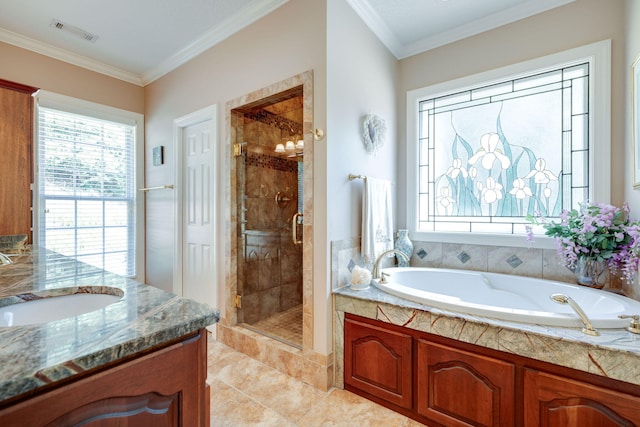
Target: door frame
point(179, 124)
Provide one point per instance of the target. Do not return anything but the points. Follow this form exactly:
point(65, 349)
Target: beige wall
point(361, 75)
point(631, 53)
point(579, 23)
point(287, 42)
point(361, 80)
point(26, 67)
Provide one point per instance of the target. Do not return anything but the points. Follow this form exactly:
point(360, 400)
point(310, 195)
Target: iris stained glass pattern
point(491, 155)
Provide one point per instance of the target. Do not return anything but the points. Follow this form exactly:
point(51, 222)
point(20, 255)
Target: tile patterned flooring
point(245, 392)
point(285, 326)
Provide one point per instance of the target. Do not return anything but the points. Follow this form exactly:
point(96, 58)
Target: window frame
point(598, 55)
point(86, 108)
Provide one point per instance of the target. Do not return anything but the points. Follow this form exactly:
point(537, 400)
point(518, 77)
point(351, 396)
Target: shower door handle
point(294, 228)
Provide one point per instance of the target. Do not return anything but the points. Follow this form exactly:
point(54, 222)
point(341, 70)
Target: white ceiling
point(408, 27)
point(141, 40)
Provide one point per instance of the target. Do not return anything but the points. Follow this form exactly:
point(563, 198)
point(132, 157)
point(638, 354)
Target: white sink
point(45, 310)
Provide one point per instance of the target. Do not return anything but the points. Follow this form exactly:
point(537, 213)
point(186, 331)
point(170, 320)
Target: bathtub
point(506, 297)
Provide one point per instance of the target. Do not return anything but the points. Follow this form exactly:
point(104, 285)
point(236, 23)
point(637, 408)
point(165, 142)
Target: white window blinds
point(86, 189)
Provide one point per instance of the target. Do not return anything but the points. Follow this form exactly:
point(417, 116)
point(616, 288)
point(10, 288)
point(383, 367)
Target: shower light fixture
point(298, 145)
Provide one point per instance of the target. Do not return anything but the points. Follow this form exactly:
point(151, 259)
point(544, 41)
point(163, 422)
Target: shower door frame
point(229, 312)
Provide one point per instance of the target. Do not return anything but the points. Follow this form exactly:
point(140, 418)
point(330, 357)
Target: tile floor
point(245, 392)
point(285, 326)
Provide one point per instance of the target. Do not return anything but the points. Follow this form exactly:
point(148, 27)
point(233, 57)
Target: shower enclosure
point(268, 151)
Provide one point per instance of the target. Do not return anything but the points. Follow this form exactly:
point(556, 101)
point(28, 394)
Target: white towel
point(377, 219)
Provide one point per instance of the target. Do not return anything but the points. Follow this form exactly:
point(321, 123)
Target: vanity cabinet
point(16, 146)
point(451, 383)
point(165, 387)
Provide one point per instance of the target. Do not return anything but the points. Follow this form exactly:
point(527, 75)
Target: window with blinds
point(86, 189)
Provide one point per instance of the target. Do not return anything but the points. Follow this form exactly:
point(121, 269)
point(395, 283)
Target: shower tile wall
point(272, 276)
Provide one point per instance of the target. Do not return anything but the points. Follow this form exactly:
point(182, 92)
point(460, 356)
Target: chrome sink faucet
point(376, 265)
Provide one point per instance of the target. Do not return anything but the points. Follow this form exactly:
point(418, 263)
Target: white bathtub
point(505, 297)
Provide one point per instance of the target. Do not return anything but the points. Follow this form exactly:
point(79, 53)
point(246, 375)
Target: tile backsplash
point(530, 262)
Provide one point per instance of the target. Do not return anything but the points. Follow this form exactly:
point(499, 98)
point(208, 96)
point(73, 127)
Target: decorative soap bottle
point(404, 245)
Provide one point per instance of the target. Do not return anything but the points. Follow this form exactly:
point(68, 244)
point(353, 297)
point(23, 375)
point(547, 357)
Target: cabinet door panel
point(16, 111)
point(378, 362)
point(553, 401)
point(458, 388)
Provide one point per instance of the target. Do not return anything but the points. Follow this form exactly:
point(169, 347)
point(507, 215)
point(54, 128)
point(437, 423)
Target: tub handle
point(588, 327)
point(634, 325)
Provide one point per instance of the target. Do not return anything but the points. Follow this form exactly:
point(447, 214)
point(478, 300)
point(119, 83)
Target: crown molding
point(377, 25)
point(488, 23)
point(235, 23)
point(401, 51)
point(64, 55)
point(230, 26)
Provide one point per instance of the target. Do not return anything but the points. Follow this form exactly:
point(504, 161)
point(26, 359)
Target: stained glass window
point(492, 154)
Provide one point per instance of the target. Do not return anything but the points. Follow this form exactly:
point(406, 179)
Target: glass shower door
point(269, 267)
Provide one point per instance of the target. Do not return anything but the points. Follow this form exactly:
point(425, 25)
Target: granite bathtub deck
point(34, 356)
point(614, 354)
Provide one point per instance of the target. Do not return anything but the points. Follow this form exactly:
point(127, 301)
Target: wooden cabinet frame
point(456, 384)
point(165, 387)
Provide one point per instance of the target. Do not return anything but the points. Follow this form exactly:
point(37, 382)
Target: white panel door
point(198, 209)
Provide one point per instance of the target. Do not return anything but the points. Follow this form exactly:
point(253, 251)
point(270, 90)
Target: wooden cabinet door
point(550, 400)
point(377, 361)
point(16, 123)
point(164, 388)
point(458, 388)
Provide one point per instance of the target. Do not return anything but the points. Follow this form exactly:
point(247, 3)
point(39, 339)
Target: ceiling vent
point(78, 32)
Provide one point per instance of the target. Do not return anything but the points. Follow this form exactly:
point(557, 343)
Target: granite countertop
point(33, 356)
point(614, 354)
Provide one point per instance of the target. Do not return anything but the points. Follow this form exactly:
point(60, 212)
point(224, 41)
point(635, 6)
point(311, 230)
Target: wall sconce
point(318, 134)
point(290, 146)
point(279, 148)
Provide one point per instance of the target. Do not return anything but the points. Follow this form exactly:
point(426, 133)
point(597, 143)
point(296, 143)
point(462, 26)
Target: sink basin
point(43, 310)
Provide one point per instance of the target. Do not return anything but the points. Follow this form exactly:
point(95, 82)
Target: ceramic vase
point(404, 245)
point(590, 272)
